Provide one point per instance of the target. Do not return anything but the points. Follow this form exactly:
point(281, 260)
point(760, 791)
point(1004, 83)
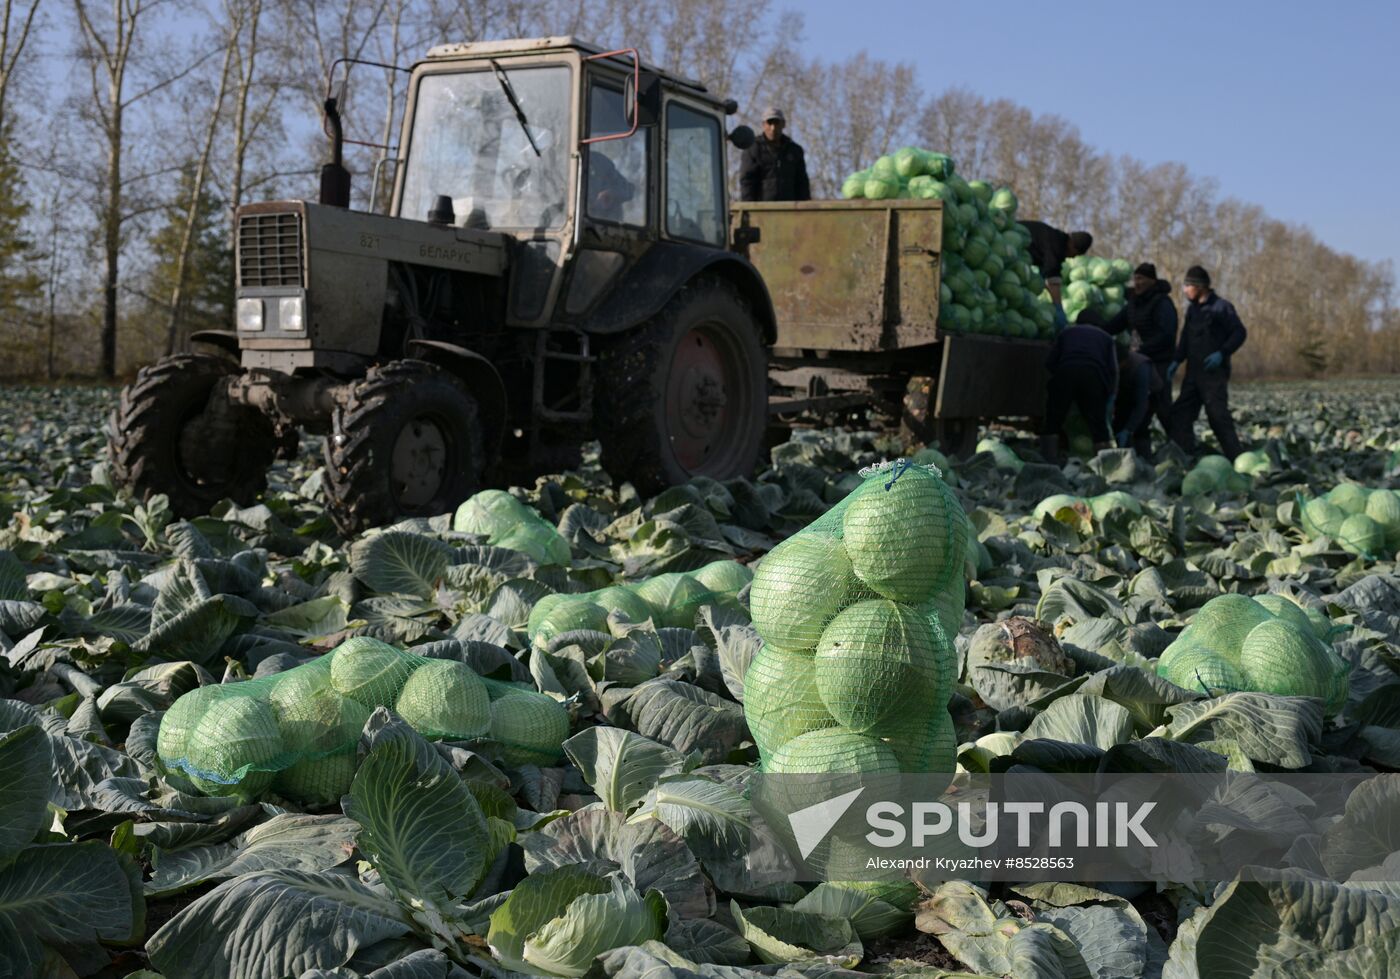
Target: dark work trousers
point(1160, 403)
point(1082, 385)
point(1211, 390)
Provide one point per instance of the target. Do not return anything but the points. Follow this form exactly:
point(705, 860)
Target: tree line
point(130, 131)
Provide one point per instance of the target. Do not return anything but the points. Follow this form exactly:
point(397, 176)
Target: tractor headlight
point(250, 315)
point(291, 316)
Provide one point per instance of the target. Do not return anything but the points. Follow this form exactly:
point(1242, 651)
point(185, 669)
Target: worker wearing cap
point(1050, 247)
point(1150, 315)
point(1211, 333)
point(774, 168)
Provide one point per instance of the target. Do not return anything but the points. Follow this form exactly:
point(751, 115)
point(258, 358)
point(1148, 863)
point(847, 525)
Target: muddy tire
point(405, 442)
point(685, 394)
point(172, 432)
point(955, 437)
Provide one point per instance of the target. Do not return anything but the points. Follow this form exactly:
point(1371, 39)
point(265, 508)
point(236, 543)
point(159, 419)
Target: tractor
point(553, 266)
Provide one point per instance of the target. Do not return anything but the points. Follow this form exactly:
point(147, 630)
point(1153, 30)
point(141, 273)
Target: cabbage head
point(556, 922)
point(854, 185)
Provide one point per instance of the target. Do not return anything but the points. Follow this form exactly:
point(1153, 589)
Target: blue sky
point(1292, 106)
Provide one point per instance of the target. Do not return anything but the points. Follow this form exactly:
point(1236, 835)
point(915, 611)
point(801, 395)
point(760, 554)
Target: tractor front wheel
point(405, 442)
point(173, 431)
point(686, 393)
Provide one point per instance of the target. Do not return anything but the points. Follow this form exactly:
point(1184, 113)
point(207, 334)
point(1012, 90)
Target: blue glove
point(1213, 360)
point(1171, 369)
point(1124, 438)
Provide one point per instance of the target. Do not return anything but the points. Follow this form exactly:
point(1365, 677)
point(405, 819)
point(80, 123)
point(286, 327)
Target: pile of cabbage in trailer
point(1091, 282)
point(296, 733)
point(989, 284)
point(857, 614)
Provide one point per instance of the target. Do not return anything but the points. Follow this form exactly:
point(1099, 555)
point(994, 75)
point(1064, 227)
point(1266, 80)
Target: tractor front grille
point(270, 250)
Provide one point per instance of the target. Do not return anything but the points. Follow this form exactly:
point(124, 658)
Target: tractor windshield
point(469, 143)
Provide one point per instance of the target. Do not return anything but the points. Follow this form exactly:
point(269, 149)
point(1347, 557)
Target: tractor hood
point(313, 277)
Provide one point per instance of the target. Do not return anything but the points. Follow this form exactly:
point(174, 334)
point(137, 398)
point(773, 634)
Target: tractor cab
point(573, 151)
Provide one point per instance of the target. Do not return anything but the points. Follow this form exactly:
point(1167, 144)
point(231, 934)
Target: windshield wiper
point(514, 103)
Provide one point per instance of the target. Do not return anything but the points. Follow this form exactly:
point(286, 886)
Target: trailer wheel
point(955, 437)
point(685, 394)
point(405, 442)
point(174, 432)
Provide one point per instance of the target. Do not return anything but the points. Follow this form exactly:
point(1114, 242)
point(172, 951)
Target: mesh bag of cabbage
point(667, 600)
point(856, 612)
point(295, 733)
point(1364, 522)
point(1268, 644)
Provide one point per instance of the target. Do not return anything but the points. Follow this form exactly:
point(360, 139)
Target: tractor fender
point(483, 382)
point(223, 339)
point(646, 286)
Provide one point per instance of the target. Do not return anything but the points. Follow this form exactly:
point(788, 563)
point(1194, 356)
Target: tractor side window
point(694, 176)
point(617, 168)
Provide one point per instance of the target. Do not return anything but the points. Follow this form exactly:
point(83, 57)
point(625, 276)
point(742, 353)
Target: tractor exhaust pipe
point(335, 179)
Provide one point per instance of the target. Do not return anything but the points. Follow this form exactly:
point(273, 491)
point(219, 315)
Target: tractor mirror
point(643, 98)
point(742, 137)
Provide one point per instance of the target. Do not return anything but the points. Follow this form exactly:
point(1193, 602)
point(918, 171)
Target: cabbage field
point(517, 740)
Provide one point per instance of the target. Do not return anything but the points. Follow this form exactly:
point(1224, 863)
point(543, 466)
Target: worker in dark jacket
point(1138, 385)
point(774, 167)
point(1150, 314)
point(1050, 247)
point(1211, 333)
point(1083, 367)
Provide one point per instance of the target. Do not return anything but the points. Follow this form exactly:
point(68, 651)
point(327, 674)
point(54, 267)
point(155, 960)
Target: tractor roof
point(532, 45)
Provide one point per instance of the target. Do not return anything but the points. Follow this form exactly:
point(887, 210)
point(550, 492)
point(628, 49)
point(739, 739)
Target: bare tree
point(108, 42)
point(197, 191)
point(16, 25)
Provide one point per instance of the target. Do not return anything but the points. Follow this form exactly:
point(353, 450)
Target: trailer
point(855, 293)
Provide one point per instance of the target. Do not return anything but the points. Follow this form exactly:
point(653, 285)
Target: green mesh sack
point(1199, 670)
point(1360, 521)
point(801, 585)
point(781, 701)
point(1221, 624)
point(1361, 535)
point(904, 534)
point(877, 661)
point(445, 699)
point(530, 727)
point(832, 750)
point(297, 732)
point(1278, 658)
point(1349, 497)
point(369, 671)
point(1281, 608)
point(925, 740)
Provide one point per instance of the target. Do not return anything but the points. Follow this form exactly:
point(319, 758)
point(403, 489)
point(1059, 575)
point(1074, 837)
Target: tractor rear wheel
point(173, 431)
point(405, 442)
point(686, 393)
